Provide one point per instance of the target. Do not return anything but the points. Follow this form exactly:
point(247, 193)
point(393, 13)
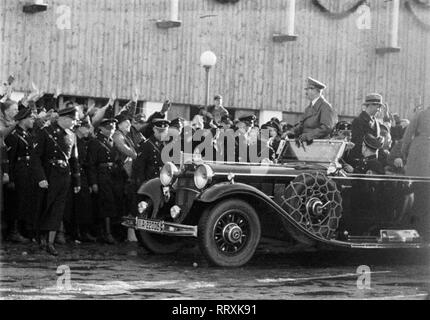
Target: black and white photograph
point(213, 155)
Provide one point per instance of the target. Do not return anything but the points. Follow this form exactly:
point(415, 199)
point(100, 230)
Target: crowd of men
point(75, 172)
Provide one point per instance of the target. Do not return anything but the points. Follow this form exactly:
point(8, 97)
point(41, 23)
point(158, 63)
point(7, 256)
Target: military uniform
point(318, 120)
point(82, 207)
point(102, 172)
point(369, 165)
point(148, 164)
point(55, 159)
point(19, 145)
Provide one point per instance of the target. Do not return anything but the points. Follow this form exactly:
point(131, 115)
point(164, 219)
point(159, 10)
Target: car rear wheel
point(157, 243)
point(229, 233)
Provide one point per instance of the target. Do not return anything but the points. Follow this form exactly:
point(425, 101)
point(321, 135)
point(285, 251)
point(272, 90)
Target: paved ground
point(127, 271)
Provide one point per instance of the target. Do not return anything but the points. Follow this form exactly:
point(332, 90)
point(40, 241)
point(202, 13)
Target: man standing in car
point(319, 118)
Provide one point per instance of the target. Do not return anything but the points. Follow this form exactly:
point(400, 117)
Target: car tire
point(158, 244)
point(229, 233)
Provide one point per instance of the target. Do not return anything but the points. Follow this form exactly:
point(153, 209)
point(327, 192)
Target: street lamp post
point(207, 60)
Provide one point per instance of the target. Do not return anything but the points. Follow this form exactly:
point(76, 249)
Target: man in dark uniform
point(82, 211)
point(102, 166)
point(19, 145)
point(54, 160)
point(148, 130)
point(319, 118)
point(149, 163)
point(364, 124)
point(369, 163)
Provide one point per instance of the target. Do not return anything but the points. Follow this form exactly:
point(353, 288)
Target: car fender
point(153, 190)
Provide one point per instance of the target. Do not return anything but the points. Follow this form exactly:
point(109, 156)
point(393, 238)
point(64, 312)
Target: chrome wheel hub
point(232, 233)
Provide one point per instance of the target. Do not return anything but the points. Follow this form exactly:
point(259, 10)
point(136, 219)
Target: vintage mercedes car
point(305, 196)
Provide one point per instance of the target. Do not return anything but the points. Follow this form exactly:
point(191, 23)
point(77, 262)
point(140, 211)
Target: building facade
point(92, 49)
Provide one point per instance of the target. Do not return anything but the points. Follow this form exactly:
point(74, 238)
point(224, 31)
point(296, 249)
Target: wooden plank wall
point(114, 45)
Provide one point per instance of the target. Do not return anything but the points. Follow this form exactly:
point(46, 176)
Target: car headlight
point(203, 176)
point(142, 206)
point(168, 174)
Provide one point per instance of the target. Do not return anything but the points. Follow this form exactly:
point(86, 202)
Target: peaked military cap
point(226, 120)
point(373, 142)
point(343, 125)
point(108, 121)
point(312, 83)
point(24, 113)
point(177, 122)
point(248, 118)
point(160, 123)
point(68, 112)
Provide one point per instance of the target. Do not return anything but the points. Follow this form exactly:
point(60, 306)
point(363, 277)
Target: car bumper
point(160, 227)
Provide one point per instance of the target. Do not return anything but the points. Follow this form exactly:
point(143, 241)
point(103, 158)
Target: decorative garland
point(339, 15)
point(423, 24)
point(227, 1)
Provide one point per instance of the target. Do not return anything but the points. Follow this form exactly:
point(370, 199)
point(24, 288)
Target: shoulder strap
point(153, 144)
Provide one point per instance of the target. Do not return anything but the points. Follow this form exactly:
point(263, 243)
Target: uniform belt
point(26, 158)
point(61, 163)
point(107, 165)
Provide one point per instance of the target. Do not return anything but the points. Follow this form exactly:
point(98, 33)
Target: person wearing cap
point(126, 155)
point(162, 114)
point(266, 139)
point(176, 133)
point(54, 163)
point(124, 144)
point(370, 163)
point(217, 110)
point(342, 131)
point(149, 163)
point(243, 127)
point(365, 123)
point(102, 165)
point(226, 123)
point(80, 209)
point(319, 117)
point(19, 144)
point(8, 110)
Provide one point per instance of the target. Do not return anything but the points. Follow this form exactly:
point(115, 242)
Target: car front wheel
point(229, 233)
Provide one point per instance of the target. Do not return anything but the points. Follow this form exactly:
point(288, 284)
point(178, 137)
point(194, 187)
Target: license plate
point(149, 225)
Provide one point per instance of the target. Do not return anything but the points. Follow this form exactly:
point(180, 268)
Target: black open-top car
point(305, 197)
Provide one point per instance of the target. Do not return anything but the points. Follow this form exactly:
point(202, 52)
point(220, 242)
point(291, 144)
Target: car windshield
point(320, 151)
